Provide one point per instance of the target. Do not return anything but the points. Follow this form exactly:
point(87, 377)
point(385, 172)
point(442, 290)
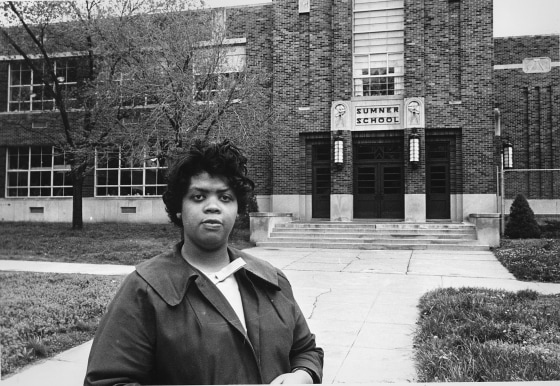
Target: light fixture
point(507, 151)
point(338, 151)
point(414, 148)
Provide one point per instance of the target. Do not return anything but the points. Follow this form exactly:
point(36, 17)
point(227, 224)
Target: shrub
point(551, 229)
point(243, 219)
point(522, 223)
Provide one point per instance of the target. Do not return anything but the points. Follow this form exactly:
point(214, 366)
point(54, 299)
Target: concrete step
point(346, 240)
point(321, 245)
point(371, 235)
point(287, 232)
point(377, 226)
point(373, 230)
point(374, 235)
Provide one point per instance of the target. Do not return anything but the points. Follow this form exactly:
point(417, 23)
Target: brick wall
point(303, 91)
point(448, 56)
point(530, 117)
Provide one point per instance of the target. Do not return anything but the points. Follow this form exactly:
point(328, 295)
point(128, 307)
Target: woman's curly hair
point(222, 159)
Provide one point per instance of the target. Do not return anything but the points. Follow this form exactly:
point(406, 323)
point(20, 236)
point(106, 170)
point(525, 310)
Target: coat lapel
point(251, 308)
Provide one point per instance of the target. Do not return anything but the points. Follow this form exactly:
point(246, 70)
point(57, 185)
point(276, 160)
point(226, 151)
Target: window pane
point(137, 177)
point(112, 177)
point(151, 176)
point(12, 179)
point(25, 75)
point(58, 178)
point(151, 190)
point(36, 157)
point(137, 191)
point(101, 177)
point(126, 177)
point(21, 179)
point(12, 192)
point(112, 191)
point(59, 158)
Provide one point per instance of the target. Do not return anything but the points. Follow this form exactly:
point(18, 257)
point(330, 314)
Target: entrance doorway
point(321, 181)
point(379, 180)
point(438, 180)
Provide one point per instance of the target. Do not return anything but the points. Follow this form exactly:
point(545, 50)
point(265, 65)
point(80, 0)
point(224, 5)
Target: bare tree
point(150, 75)
point(193, 79)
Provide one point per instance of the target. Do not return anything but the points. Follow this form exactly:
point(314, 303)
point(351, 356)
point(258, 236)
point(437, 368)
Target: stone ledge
point(485, 215)
point(270, 214)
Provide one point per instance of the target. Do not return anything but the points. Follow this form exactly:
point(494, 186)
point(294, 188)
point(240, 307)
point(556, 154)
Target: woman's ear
point(179, 215)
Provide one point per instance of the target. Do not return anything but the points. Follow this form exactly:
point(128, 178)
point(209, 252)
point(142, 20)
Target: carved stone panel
point(414, 113)
point(536, 65)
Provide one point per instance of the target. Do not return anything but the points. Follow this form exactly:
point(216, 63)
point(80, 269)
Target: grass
point(106, 243)
point(531, 259)
point(42, 314)
point(473, 335)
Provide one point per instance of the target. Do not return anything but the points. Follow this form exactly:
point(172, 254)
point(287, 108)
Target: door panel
point(321, 192)
point(438, 200)
point(321, 181)
point(378, 181)
point(365, 202)
point(391, 205)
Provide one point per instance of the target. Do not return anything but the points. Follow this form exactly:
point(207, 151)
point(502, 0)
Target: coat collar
point(170, 275)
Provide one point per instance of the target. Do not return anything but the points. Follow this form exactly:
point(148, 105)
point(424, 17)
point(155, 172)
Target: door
point(378, 181)
point(438, 195)
point(321, 181)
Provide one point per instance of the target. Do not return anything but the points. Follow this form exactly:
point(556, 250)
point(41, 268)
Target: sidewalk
point(360, 304)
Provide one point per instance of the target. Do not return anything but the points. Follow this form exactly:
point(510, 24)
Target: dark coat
point(169, 324)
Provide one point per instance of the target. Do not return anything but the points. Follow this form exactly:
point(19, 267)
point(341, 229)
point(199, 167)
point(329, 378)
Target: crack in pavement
point(316, 300)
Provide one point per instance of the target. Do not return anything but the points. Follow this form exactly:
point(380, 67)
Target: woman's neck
point(205, 260)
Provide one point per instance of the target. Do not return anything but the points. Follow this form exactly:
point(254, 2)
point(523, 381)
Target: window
point(211, 78)
point(378, 47)
point(128, 95)
point(121, 173)
point(26, 90)
point(37, 171)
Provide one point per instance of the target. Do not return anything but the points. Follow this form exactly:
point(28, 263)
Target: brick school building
point(393, 110)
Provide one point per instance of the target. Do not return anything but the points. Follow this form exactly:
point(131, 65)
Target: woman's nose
point(212, 205)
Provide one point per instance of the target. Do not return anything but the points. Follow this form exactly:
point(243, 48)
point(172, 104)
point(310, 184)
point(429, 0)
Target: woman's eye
point(227, 198)
point(198, 197)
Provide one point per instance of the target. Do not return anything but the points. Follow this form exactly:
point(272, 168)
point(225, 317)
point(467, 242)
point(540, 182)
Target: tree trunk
point(78, 185)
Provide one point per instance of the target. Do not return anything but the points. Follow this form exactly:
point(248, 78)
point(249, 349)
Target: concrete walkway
point(360, 304)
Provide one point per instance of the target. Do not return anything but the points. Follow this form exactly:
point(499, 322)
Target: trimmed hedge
point(522, 223)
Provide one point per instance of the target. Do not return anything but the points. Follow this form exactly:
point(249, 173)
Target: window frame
point(390, 81)
point(120, 171)
point(32, 99)
point(237, 66)
point(52, 167)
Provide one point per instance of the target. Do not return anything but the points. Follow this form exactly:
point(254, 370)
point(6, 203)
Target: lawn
point(531, 259)
point(479, 335)
point(42, 314)
point(107, 243)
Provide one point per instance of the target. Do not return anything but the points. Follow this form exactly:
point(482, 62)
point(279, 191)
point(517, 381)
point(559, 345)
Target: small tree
point(522, 223)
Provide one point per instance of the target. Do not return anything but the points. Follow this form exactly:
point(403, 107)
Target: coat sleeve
point(123, 347)
point(304, 352)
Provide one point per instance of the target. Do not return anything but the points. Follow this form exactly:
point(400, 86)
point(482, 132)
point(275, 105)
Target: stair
point(369, 235)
